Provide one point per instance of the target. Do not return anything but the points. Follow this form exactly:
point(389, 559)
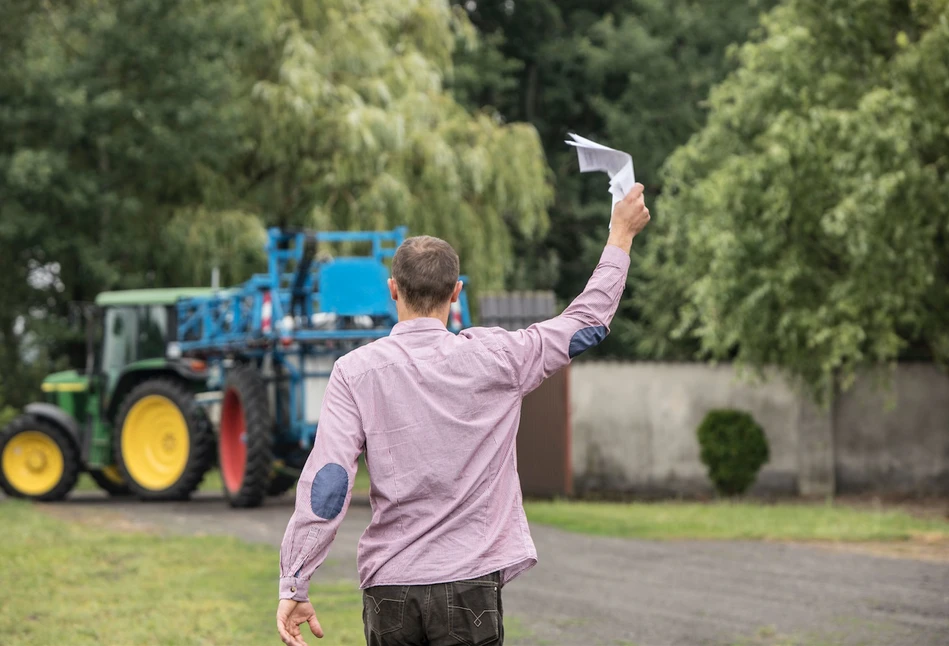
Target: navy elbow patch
point(585, 339)
point(329, 490)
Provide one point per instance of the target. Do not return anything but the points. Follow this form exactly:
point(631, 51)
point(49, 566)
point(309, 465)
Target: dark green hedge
point(734, 448)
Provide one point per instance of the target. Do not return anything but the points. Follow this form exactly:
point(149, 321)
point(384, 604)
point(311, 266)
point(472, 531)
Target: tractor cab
point(137, 328)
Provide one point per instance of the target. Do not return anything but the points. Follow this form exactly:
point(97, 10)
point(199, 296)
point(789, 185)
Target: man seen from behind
point(436, 415)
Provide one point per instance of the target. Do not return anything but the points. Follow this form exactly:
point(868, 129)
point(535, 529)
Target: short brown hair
point(426, 271)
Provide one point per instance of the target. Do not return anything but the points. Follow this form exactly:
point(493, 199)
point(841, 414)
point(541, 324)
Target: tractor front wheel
point(38, 460)
point(245, 442)
point(163, 442)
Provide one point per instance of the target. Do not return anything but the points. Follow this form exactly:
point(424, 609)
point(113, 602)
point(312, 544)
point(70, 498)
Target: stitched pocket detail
point(473, 615)
point(384, 608)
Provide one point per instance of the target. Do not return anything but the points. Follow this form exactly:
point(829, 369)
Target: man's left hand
point(290, 615)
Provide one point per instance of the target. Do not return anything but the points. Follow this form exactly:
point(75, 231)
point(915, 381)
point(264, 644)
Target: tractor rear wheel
point(245, 440)
point(110, 481)
point(38, 459)
point(280, 483)
point(163, 442)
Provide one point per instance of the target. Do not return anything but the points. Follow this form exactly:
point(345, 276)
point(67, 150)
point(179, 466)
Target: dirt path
point(593, 591)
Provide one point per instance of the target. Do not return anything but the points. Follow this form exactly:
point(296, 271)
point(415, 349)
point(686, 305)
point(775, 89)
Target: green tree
point(633, 74)
point(144, 142)
point(113, 115)
point(356, 131)
point(807, 225)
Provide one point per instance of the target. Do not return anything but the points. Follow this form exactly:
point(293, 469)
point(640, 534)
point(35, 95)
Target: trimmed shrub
point(734, 448)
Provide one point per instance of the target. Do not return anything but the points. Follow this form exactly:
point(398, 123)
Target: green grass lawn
point(734, 520)
point(76, 584)
point(66, 583)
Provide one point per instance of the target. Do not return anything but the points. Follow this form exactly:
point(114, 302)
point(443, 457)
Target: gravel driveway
point(592, 591)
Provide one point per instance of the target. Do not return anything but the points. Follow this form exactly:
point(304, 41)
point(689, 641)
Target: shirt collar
point(424, 324)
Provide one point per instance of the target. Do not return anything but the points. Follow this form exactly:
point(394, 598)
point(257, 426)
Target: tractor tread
point(112, 488)
point(201, 435)
point(252, 390)
point(64, 441)
point(280, 484)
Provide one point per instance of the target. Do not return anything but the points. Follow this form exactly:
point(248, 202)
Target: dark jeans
point(463, 613)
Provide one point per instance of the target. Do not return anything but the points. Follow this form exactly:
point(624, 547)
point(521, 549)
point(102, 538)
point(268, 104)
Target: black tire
point(280, 483)
point(62, 439)
point(245, 438)
point(108, 485)
point(200, 440)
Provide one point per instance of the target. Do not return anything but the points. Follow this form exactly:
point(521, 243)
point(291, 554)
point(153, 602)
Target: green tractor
point(130, 418)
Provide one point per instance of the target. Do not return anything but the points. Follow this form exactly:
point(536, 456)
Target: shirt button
point(293, 588)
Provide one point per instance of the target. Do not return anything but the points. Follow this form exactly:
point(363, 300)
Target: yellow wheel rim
point(155, 442)
point(32, 463)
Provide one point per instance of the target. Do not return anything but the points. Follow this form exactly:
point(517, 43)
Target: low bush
point(733, 448)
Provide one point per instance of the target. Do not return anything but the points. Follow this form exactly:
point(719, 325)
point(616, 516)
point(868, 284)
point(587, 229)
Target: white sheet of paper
point(600, 160)
point(594, 157)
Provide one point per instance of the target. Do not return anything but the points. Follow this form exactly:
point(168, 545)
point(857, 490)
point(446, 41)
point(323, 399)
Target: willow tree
point(807, 225)
point(143, 142)
point(356, 131)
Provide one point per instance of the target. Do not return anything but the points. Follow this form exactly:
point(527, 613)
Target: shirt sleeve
point(544, 348)
point(324, 489)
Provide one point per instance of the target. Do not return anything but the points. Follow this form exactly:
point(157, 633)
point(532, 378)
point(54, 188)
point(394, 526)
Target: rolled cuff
point(294, 588)
point(613, 255)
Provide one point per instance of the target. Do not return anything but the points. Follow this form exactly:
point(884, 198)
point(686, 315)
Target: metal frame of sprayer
point(293, 322)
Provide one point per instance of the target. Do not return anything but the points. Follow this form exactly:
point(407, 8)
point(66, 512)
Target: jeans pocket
point(384, 607)
point(473, 614)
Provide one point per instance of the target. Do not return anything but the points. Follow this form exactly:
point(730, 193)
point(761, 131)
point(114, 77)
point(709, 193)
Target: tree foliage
point(631, 73)
point(803, 222)
point(807, 225)
point(143, 142)
point(113, 115)
point(358, 133)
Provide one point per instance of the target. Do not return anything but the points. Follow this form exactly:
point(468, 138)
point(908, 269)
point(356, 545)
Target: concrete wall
point(896, 439)
point(633, 430)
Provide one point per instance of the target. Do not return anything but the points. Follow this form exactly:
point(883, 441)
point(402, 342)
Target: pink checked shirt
point(437, 415)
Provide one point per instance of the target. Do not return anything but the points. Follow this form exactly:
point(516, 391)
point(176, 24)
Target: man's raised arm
point(544, 348)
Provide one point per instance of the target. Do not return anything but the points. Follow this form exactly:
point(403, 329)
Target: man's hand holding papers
point(618, 165)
